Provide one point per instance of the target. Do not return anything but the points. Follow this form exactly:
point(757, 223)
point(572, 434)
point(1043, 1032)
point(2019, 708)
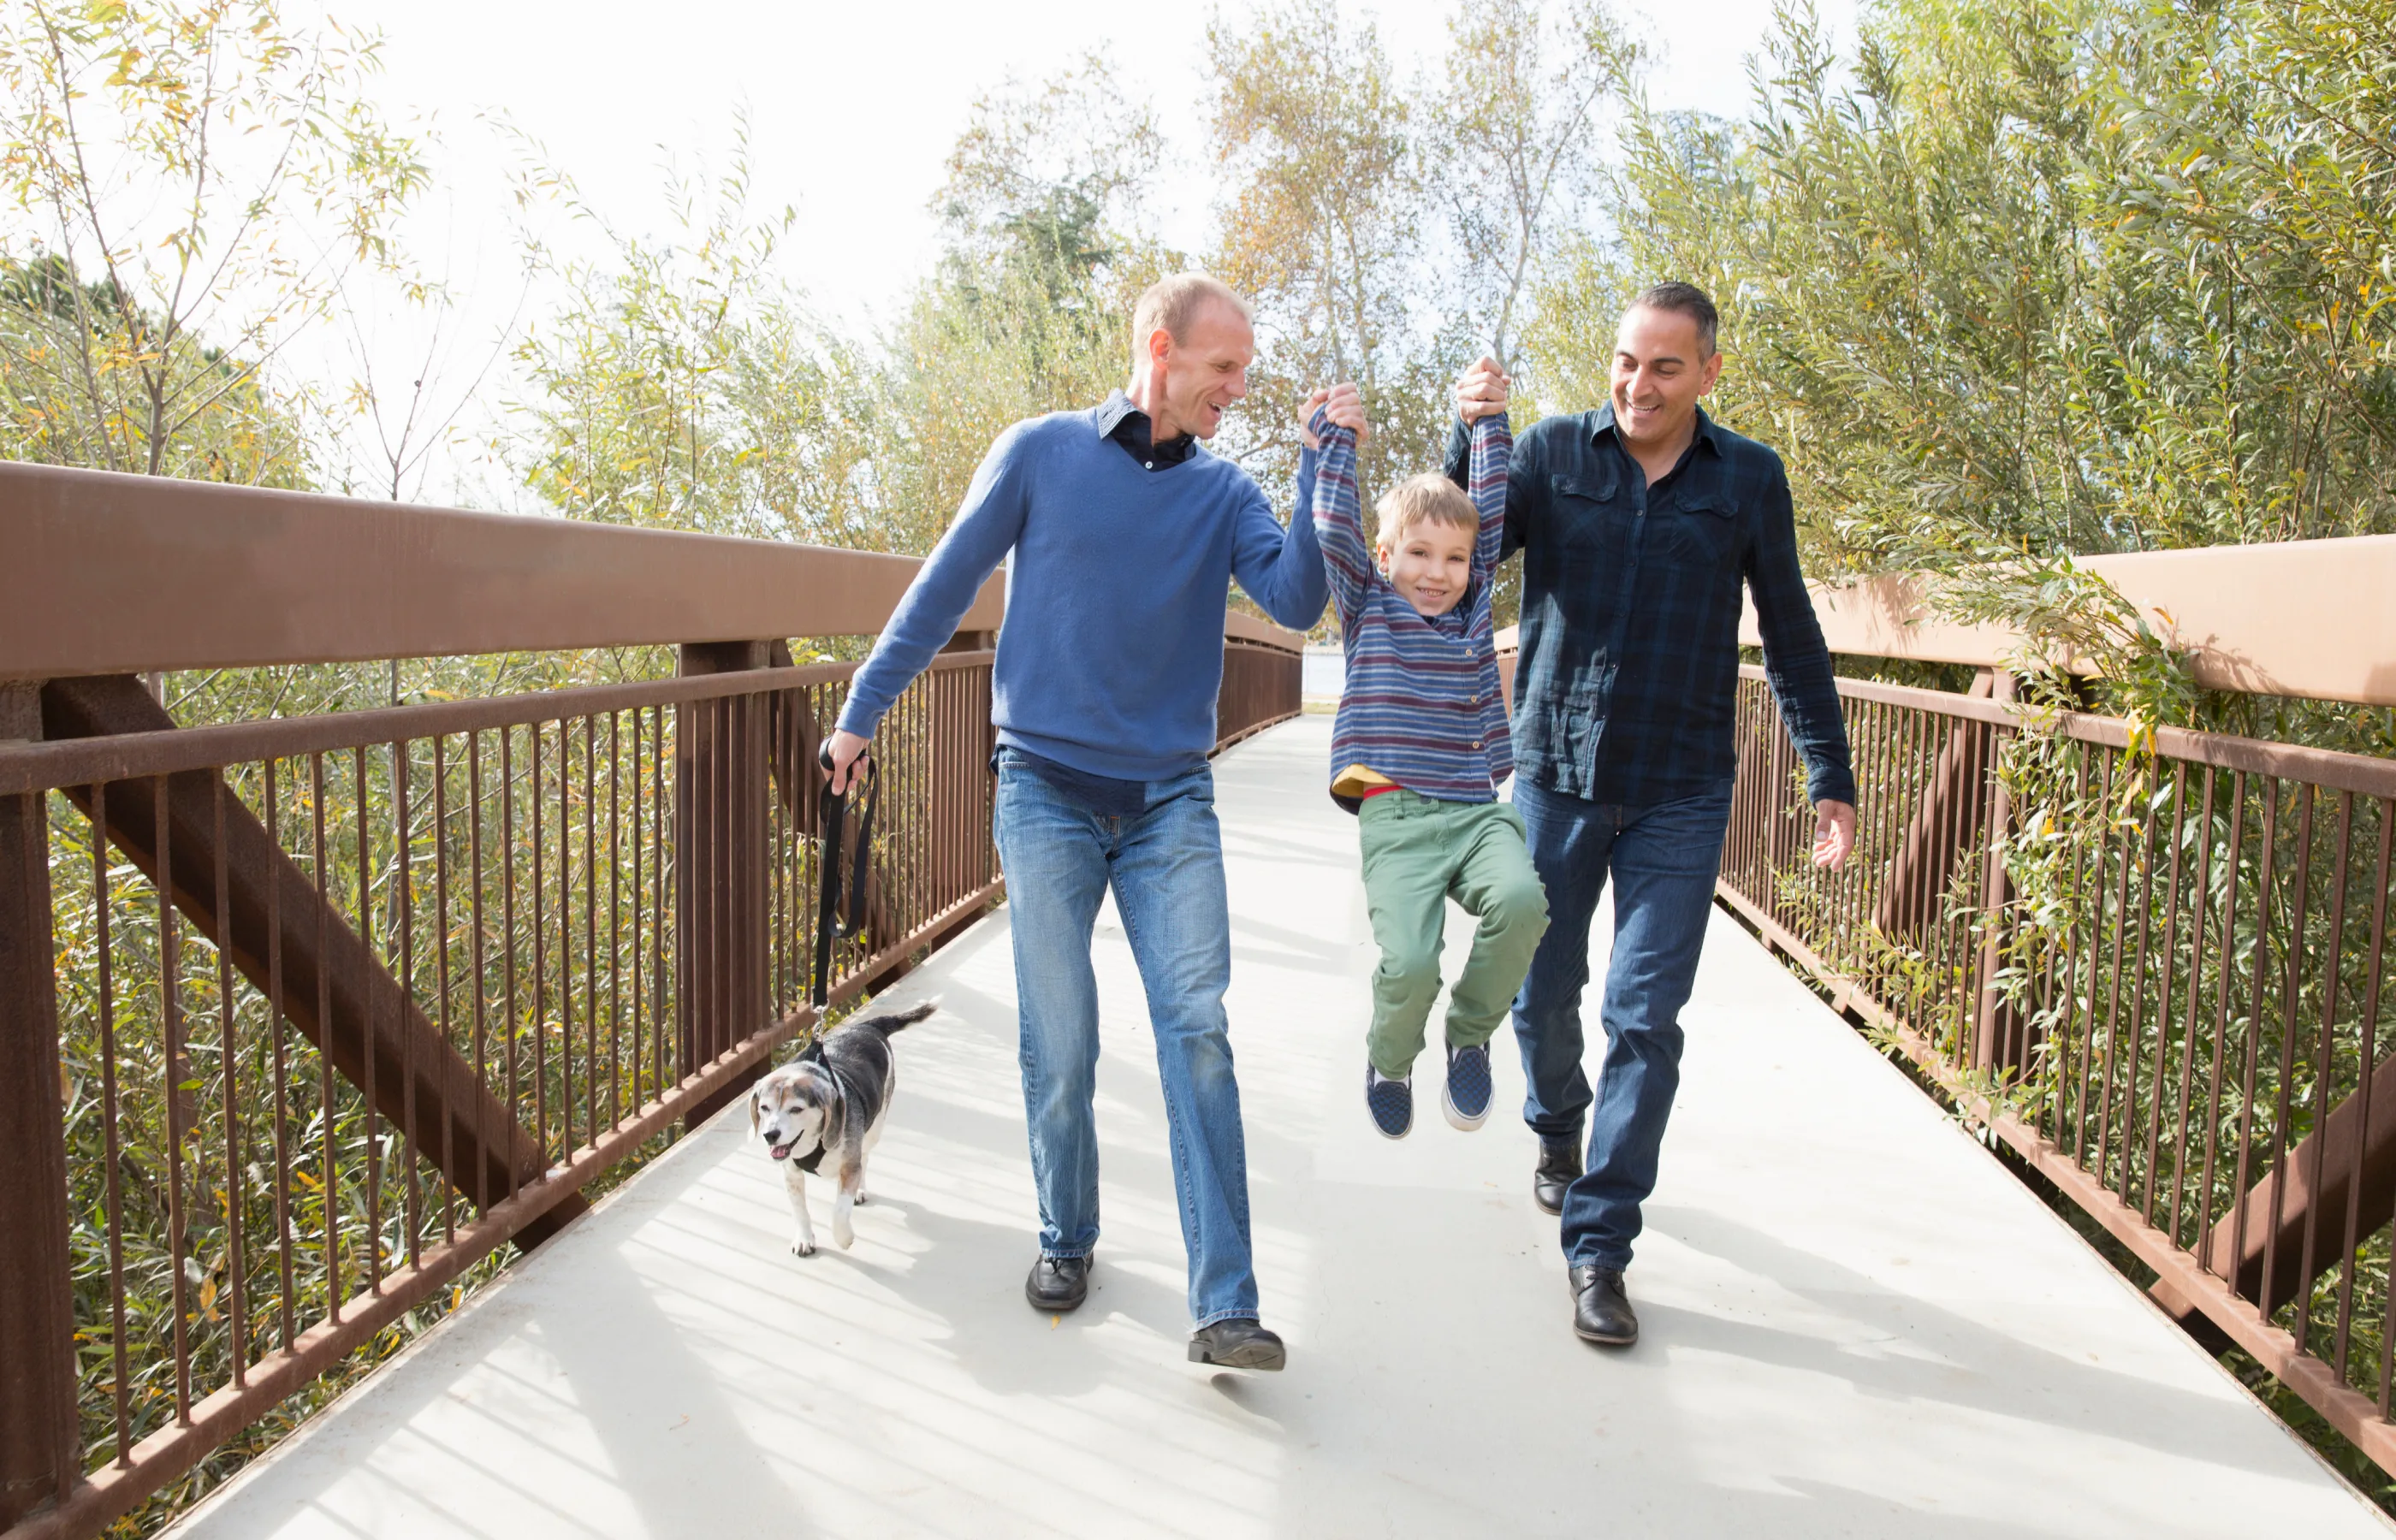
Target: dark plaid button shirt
point(1626, 689)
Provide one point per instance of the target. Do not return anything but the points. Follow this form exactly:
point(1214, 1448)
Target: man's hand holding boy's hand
point(1481, 389)
point(1343, 404)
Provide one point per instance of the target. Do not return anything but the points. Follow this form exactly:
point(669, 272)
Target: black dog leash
point(831, 925)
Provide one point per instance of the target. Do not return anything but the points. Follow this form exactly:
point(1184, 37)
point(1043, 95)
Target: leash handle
point(830, 924)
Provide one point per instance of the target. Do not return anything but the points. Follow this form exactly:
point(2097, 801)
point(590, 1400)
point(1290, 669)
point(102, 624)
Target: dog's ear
point(834, 1108)
point(754, 1093)
point(821, 1094)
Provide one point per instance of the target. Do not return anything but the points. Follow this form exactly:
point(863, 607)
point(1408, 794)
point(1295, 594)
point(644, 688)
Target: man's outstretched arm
point(986, 528)
point(1280, 569)
point(1283, 569)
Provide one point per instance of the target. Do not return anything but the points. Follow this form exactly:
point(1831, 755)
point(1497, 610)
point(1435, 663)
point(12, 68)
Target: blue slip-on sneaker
point(1466, 1101)
point(1391, 1102)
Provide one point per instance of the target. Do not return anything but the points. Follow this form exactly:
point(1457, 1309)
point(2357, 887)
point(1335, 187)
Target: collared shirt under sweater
point(1111, 657)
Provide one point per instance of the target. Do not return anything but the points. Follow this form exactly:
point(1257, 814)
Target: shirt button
point(1476, 743)
point(1151, 464)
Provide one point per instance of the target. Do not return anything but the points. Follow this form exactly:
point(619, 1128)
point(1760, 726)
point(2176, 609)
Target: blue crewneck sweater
point(1111, 655)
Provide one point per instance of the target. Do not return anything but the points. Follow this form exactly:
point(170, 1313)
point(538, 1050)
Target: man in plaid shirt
point(1640, 523)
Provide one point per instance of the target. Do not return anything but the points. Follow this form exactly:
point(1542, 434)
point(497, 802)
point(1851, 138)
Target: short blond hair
point(1171, 304)
point(1427, 498)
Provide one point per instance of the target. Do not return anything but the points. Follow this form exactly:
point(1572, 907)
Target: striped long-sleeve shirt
point(1421, 705)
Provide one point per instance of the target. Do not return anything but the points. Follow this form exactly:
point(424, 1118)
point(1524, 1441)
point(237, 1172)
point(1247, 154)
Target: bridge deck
point(1855, 1323)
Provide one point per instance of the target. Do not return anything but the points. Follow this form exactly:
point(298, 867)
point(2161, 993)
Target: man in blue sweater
point(1124, 536)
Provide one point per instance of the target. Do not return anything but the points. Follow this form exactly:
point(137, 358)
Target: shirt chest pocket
point(1701, 531)
point(1589, 519)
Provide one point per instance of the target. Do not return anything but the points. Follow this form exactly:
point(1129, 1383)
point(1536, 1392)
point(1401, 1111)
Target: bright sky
point(853, 109)
point(855, 106)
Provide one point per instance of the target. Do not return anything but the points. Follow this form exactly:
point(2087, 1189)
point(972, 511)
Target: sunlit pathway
point(1855, 1324)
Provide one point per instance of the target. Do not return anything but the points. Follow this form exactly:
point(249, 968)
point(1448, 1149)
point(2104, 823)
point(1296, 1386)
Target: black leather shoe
point(1559, 1163)
point(1058, 1283)
point(1601, 1312)
point(1238, 1345)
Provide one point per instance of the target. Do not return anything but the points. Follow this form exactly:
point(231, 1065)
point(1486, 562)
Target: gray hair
point(1679, 298)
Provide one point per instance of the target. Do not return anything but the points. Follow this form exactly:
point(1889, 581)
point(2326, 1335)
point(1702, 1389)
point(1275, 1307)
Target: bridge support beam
point(2295, 1217)
point(271, 901)
point(2000, 1042)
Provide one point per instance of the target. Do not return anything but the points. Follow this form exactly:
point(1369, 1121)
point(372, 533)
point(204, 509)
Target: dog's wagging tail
point(890, 1021)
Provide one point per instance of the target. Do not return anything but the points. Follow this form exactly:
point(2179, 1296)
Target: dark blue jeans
point(1663, 861)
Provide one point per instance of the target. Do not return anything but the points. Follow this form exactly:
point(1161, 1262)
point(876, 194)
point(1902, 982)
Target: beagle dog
point(829, 1102)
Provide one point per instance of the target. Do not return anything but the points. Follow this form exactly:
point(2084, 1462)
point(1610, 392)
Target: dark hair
point(1684, 299)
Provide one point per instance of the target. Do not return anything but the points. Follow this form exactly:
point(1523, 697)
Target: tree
point(1028, 310)
point(1518, 150)
point(388, 439)
point(187, 184)
point(680, 383)
point(2022, 276)
point(2252, 228)
point(1050, 182)
point(1323, 227)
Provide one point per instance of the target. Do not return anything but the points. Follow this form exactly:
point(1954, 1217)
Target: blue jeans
point(1166, 867)
point(1663, 861)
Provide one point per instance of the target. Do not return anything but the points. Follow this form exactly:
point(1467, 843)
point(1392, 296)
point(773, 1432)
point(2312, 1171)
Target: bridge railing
point(305, 1018)
point(2159, 974)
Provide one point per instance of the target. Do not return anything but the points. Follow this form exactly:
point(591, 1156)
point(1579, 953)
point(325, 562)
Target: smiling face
point(1430, 563)
point(1661, 369)
point(786, 1111)
point(1201, 375)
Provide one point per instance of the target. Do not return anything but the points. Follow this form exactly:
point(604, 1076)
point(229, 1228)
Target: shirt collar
point(1126, 424)
point(1111, 415)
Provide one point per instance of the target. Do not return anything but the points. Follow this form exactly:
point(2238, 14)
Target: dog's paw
point(862, 1197)
point(802, 1246)
point(843, 1236)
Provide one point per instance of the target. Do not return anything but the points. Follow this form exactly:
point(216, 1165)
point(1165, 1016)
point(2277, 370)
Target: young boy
point(1417, 752)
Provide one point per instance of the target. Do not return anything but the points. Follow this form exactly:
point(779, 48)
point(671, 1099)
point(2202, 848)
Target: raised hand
point(1345, 406)
point(1306, 410)
point(1481, 390)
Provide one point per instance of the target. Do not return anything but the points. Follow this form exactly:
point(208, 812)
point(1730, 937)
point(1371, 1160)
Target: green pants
point(1419, 854)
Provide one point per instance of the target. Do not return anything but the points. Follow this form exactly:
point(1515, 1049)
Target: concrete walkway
point(1855, 1323)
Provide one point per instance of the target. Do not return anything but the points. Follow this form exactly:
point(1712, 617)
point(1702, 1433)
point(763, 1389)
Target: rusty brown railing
point(1262, 683)
point(306, 1019)
point(2160, 977)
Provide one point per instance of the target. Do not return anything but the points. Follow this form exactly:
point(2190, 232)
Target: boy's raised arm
point(1339, 512)
point(1493, 454)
